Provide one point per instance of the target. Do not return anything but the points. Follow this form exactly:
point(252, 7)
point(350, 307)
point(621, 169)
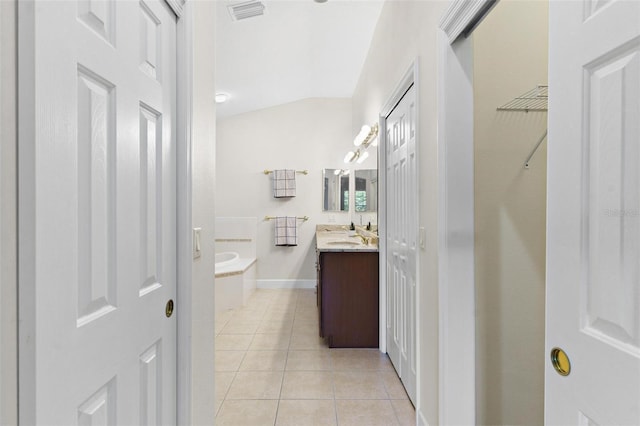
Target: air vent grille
point(245, 10)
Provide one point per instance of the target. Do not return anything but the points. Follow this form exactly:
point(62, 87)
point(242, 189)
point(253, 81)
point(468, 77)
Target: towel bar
point(305, 218)
point(302, 172)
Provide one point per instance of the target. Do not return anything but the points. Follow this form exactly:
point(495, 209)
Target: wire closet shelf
point(535, 99)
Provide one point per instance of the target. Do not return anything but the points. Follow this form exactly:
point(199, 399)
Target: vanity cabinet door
point(348, 291)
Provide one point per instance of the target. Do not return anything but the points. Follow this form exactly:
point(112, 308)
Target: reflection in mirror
point(366, 196)
point(335, 190)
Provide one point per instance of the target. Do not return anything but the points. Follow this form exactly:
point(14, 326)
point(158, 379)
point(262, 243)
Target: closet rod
point(526, 163)
point(302, 172)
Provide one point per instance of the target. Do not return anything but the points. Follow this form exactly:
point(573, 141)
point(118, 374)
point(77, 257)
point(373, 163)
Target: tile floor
point(273, 369)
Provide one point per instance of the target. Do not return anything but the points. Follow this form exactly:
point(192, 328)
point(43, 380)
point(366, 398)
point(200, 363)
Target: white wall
point(309, 134)
point(408, 30)
point(203, 192)
point(510, 58)
point(8, 259)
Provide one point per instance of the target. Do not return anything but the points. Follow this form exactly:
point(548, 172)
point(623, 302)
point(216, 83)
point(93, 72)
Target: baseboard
point(296, 284)
point(421, 420)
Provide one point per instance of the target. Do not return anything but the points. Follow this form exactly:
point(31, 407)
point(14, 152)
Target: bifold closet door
point(98, 212)
point(401, 234)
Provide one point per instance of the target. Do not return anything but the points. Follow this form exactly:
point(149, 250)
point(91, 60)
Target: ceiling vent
point(245, 10)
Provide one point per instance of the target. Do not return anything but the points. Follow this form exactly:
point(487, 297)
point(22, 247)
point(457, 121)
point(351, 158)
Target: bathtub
point(235, 280)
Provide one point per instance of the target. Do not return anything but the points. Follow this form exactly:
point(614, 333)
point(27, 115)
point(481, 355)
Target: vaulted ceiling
point(297, 49)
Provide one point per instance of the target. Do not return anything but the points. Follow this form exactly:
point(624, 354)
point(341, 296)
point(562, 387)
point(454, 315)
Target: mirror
point(335, 190)
point(366, 196)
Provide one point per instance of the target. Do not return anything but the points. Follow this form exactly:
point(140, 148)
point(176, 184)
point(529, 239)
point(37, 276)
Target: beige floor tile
point(365, 412)
point(394, 386)
point(247, 413)
point(306, 412)
point(269, 342)
point(360, 359)
point(224, 316)
point(219, 326)
point(307, 385)
point(255, 385)
point(275, 327)
point(233, 342)
point(308, 360)
point(359, 385)
point(405, 412)
point(306, 325)
point(248, 315)
point(228, 360)
point(223, 383)
point(306, 316)
point(240, 327)
point(287, 309)
point(306, 340)
point(264, 361)
point(276, 317)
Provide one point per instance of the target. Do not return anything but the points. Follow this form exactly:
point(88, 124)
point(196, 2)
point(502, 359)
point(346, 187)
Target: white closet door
point(401, 234)
point(593, 237)
point(98, 212)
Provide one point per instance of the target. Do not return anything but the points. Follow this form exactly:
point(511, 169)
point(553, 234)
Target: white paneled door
point(98, 212)
point(593, 239)
point(401, 238)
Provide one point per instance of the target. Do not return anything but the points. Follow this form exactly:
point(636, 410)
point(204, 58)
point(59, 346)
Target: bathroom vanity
point(348, 285)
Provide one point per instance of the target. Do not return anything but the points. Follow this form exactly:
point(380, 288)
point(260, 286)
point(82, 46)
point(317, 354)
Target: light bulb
point(351, 156)
point(363, 157)
point(337, 172)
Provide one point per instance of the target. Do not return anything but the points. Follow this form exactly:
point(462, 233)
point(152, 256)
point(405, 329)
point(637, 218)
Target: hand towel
point(284, 183)
point(286, 231)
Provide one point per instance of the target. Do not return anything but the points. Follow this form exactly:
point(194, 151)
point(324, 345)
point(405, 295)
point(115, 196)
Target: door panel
point(104, 215)
point(401, 231)
point(593, 240)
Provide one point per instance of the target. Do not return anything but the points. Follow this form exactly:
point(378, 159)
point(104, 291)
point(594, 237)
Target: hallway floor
point(273, 369)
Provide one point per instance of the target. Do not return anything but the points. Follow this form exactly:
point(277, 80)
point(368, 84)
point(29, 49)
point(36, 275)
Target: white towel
point(284, 183)
point(286, 231)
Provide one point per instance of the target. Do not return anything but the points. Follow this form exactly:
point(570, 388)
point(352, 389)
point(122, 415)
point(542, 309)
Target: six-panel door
point(104, 215)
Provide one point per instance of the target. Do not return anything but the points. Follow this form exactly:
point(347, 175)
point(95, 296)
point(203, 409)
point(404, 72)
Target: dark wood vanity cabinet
point(348, 302)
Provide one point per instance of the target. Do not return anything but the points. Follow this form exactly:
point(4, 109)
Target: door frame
point(456, 238)
point(26, 107)
point(410, 78)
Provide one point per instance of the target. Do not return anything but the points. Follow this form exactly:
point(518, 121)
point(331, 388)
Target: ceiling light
point(363, 157)
point(320, 1)
point(221, 98)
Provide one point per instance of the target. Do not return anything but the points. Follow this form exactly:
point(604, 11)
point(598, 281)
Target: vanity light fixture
point(352, 156)
point(371, 135)
point(362, 136)
point(363, 157)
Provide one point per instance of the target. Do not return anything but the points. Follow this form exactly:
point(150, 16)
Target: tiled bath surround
point(237, 281)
